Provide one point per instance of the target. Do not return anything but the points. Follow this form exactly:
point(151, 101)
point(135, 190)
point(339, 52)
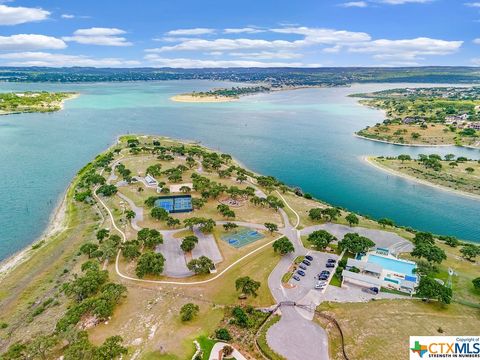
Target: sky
point(233, 33)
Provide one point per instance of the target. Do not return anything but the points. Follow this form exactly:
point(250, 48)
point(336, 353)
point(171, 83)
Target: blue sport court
point(175, 204)
point(242, 237)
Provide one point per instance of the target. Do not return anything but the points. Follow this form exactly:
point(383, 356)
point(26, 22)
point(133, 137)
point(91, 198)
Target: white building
point(150, 181)
point(380, 269)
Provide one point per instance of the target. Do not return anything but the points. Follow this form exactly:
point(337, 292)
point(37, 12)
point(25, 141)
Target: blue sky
point(125, 33)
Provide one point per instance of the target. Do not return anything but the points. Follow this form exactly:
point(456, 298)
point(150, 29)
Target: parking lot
point(306, 283)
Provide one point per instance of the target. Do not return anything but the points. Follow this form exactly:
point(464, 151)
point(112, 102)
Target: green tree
point(107, 190)
point(89, 249)
point(315, 214)
point(321, 239)
point(451, 241)
point(283, 246)
point(131, 249)
point(188, 243)
point(431, 289)
point(111, 349)
point(331, 213)
point(354, 243)
point(130, 214)
point(271, 227)
point(102, 234)
point(173, 222)
point(223, 334)
point(352, 219)
point(150, 237)
point(470, 251)
point(476, 283)
point(386, 222)
point(229, 226)
point(189, 311)
point(159, 214)
point(404, 157)
point(150, 263)
point(247, 285)
point(423, 237)
point(41, 345)
point(429, 252)
point(202, 265)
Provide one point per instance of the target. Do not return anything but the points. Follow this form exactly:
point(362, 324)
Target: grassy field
point(434, 134)
point(381, 329)
point(452, 177)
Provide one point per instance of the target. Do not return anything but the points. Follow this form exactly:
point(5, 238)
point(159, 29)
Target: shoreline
point(370, 160)
point(61, 106)
point(188, 98)
point(56, 224)
point(413, 145)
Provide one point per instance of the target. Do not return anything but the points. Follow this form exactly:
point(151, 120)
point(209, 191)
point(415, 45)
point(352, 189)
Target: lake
point(303, 137)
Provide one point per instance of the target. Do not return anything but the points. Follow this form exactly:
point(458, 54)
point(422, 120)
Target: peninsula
point(29, 102)
point(426, 116)
point(455, 174)
point(168, 242)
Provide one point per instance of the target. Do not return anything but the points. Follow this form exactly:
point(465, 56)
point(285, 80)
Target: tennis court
point(241, 237)
point(175, 204)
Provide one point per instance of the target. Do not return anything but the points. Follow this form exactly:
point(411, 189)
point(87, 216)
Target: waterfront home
point(474, 125)
point(381, 269)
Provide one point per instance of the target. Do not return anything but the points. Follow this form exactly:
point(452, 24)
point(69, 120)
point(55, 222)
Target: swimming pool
point(398, 266)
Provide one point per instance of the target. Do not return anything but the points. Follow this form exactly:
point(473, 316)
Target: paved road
point(138, 212)
point(294, 336)
point(207, 246)
point(175, 264)
point(381, 238)
point(297, 338)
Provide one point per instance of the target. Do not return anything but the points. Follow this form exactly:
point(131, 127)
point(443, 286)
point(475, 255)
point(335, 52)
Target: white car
point(319, 285)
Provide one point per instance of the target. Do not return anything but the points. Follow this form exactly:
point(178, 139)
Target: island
point(425, 116)
point(171, 250)
point(221, 94)
point(29, 102)
point(452, 173)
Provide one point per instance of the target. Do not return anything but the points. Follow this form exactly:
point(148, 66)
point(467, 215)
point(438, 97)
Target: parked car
point(309, 258)
point(372, 290)
point(302, 266)
point(330, 265)
point(326, 272)
point(301, 272)
point(331, 261)
point(306, 262)
point(296, 277)
point(322, 277)
point(319, 285)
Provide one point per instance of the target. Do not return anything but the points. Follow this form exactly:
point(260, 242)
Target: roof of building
point(361, 277)
point(372, 267)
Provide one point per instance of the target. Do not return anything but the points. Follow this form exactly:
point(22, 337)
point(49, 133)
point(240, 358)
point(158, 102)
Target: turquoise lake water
point(303, 137)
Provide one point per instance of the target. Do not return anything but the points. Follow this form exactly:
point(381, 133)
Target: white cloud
point(25, 42)
point(248, 30)
point(324, 36)
point(311, 36)
point(10, 15)
point(194, 31)
point(473, 4)
point(225, 45)
point(360, 4)
point(60, 60)
point(67, 16)
point(406, 50)
point(477, 41)
point(264, 55)
point(475, 61)
point(197, 63)
point(99, 36)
